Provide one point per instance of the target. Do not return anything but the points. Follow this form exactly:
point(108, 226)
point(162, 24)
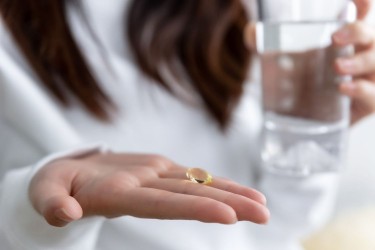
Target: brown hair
point(204, 37)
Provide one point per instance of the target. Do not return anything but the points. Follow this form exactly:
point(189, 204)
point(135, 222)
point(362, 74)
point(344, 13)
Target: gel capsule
point(198, 175)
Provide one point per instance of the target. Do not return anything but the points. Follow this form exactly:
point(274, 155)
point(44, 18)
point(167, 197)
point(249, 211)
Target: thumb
point(363, 8)
point(60, 210)
point(51, 198)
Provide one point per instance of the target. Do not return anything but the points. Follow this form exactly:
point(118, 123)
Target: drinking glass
point(306, 119)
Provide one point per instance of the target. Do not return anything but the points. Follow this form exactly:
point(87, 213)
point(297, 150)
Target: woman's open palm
point(145, 186)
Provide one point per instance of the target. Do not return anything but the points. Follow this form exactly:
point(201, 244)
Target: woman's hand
point(361, 65)
point(144, 186)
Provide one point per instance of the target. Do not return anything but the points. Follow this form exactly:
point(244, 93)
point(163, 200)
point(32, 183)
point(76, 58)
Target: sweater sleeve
point(22, 228)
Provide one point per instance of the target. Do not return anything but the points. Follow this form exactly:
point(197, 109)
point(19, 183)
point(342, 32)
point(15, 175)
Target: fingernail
point(346, 64)
point(62, 214)
point(342, 36)
point(348, 87)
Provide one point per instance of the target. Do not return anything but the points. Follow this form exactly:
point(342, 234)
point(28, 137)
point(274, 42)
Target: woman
point(69, 80)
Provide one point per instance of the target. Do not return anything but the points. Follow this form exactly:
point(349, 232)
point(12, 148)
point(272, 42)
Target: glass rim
point(347, 14)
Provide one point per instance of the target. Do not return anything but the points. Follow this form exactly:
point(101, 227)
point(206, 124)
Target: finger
point(358, 112)
point(362, 90)
point(360, 64)
point(358, 33)
point(223, 184)
point(53, 201)
point(363, 94)
point(161, 204)
point(235, 188)
point(363, 8)
point(246, 209)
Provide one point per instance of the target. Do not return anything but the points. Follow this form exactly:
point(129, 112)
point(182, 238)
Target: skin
point(145, 186)
point(361, 65)
point(149, 186)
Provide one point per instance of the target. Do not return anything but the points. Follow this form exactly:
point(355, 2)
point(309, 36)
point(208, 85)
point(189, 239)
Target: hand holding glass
point(305, 116)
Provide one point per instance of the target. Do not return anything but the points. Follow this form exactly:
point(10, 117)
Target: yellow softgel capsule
point(199, 175)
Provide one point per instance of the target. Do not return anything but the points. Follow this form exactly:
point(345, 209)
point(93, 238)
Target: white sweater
point(34, 129)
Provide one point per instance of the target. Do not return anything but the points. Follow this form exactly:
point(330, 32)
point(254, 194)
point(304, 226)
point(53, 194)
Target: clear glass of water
point(306, 119)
